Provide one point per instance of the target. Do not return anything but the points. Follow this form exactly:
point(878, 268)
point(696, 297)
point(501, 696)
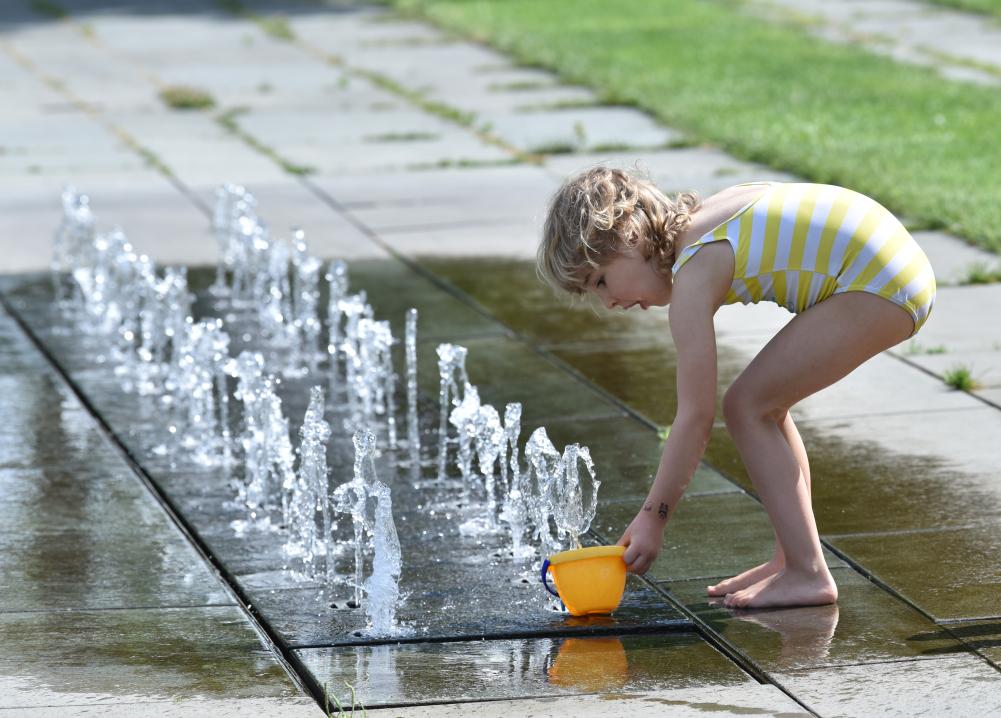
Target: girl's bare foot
point(748, 578)
point(787, 588)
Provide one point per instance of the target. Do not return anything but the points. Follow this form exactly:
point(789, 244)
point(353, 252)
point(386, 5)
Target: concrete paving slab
point(984, 366)
point(626, 454)
point(436, 673)
point(704, 169)
point(518, 239)
point(948, 465)
point(581, 128)
point(103, 658)
point(958, 321)
point(866, 625)
point(963, 586)
point(287, 203)
point(132, 561)
point(435, 186)
point(952, 258)
point(506, 370)
point(960, 685)
point(984, 637)
point(302, 707)
point(502, 606)
point(688, 551)
point(694, 702)
point(641, 373)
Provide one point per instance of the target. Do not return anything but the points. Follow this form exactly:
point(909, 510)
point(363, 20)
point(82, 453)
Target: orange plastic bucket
point(588, 580)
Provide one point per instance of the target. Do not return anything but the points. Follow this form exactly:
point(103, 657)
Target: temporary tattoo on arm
point(662, 511)
point(648, 507)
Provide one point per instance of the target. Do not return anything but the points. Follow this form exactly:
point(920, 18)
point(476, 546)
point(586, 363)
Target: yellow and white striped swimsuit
point(798, 244)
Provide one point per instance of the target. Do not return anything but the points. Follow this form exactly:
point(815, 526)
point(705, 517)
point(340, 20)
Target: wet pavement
point(107, 604)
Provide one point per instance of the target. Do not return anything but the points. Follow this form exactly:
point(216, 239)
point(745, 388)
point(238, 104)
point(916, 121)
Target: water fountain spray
point(413, 430)
point(310, 495)
point(352, 496)
point(571, 515)
point(451, 365)
point(382, 587)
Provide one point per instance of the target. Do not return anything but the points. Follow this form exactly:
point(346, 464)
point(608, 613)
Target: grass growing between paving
point(960, 377)
point(924, 147)
point(183, 97)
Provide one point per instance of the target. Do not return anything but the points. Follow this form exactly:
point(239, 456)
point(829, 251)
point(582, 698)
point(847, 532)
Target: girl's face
point(628, 281)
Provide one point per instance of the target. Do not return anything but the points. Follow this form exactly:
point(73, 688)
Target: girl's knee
point(743, 405)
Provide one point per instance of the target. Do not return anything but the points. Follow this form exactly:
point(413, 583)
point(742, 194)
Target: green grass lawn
point(986, 7)
point(925, 148)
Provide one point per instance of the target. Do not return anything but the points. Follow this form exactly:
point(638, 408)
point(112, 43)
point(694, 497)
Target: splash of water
point(413, 432)
point(351, 498)
point(305, 339)
point(451, 364)
point(490, 443)
point(311, 494)
point(382, 587)
point(570, 513)
point(515, 509)
point(543, 463)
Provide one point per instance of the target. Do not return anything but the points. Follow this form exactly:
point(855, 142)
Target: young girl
point(856, 280)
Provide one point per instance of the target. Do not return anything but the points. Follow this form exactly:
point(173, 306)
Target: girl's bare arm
point(694, 302)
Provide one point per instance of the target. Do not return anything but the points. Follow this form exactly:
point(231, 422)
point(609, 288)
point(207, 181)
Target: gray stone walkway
point(907, 488)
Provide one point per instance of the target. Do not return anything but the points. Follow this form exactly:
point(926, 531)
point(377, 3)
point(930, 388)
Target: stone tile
point(125, 561)
point(867, 625)
point(538, 313)
point(960, 685)
point(436, 673)
point(951, 257)
point(472, 208)
point(984, 637)
point(710, 535)
point(68, 658)
point(950, 573)
point(704, 169)
point(505, 370)
point(684, 703)
point(899, 472)
point(984, 366)
point(957, 321)
point(293, 707)
point(470, 591)
point(446, 186)
point(393, 288)
point(583, 127)
point(43, 425)
point(626, 454)
point(884, 385)
point(53, 498)
point(642, 372)
point(515, 239)
point(288, 203)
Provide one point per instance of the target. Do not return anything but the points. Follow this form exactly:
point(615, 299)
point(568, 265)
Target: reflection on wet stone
point(446, 672)
point(710, 535)
point(166, 654)
point(867, 625)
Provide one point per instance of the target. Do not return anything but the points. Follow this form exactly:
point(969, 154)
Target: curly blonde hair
point(601, 211)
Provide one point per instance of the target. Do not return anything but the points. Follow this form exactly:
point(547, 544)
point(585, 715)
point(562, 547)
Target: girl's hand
point(642, 539)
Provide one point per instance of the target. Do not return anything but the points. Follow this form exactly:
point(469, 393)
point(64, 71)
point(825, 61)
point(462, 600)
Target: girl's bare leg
point(777, 562)
point(814, 350)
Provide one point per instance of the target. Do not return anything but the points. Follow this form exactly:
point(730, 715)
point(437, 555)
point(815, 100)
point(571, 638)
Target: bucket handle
point(545, 582)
